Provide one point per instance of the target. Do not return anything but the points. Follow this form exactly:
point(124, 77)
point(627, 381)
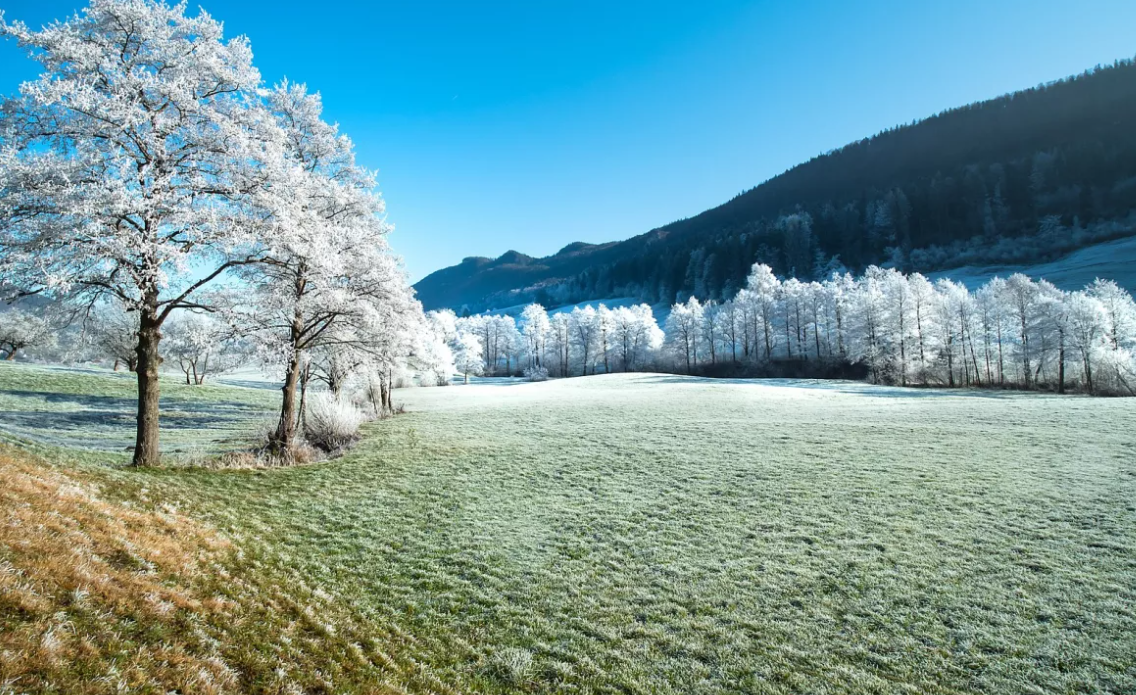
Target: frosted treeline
point(904, 329)
point(587, 340)
point(907, 329)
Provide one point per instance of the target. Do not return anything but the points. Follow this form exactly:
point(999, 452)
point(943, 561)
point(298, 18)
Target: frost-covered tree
point(1087, 318)
point(636, 334)
point(328, 281)
point(765, 288)
point(606, 324)
point(921, 294)
point(467, 352)
point(113, 333)
point(791, 300)
point(585, 333)
point(710, 329)
point(1021, 296)
point(994, 313)
point(434, 350)
point(684, 332)
point(126, 166)
point(535, 327)
point(21, 329)
point(867, 313)
point(560, 341)
point(730, 327)
point(1119, 331)
point(899, 317)
point(201, 345)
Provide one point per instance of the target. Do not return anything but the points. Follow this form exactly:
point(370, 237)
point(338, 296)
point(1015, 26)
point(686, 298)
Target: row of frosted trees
point(909, 330)
point(585, 340)
point(903, 329)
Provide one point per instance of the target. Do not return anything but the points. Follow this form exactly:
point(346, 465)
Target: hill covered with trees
point(1023, 178)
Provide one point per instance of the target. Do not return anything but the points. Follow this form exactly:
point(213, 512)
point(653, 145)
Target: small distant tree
point(202, 345)
point(684, 331)
point(535, 327)
point(113, 333)
point(21, 329)
point(467, 353)
point(1021, 295)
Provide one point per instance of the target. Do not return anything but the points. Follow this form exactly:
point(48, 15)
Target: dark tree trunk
point(286, 427)
point(1061, 368)
point(149, 360)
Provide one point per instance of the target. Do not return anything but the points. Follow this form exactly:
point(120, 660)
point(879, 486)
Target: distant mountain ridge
point(1024, 178)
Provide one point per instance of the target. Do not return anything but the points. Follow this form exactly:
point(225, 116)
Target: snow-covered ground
point(1113, 260)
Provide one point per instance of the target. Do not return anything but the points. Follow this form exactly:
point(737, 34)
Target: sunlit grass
point(658, 534)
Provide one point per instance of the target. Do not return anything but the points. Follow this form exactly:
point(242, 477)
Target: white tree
point(1021, 295)
point(709, 327)
point(328, 280)
point(535, 327)
point(730, 327)
point(994, 313)
point(433, 352)
point(202, 345)
point(1119, 332)
point(126, 166)
point(606, 324)
point(684, 331)
point(765, 288)
point(114, 334)
point(22, 329)
point(1053, 308)
point(560, 340)
point(585, 326)
point(899, 316)
point(922, 301)
point(467, 351)
point(635, 333)
point(868, 308)
point(1087, 319)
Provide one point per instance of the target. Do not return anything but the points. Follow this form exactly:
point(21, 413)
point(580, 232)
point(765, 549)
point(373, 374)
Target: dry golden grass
point(100, 596)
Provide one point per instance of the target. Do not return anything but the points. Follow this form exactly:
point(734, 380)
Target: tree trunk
point(1061, 368)
point(286, 427)
point(305, 377)
point(149, 360)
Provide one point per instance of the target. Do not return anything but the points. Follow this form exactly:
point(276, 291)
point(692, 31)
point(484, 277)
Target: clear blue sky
point(529, 125)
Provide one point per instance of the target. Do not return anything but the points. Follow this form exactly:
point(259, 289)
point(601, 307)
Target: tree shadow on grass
point(107, 422)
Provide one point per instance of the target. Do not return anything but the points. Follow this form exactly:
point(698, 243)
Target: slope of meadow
point(648, 533)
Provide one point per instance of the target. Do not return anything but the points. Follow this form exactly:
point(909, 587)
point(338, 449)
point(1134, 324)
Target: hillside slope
point(1025, 178)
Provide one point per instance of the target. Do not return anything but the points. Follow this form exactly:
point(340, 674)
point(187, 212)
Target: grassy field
point(656, 534)
point(94, 410)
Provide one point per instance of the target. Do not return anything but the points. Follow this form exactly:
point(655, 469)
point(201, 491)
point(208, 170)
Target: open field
point(648, 533)
point(94, 409)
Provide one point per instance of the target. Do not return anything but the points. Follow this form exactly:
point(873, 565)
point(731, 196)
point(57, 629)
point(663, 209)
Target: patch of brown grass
point(98, 596)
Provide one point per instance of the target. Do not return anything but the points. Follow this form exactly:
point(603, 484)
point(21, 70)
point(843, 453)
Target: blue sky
point(529, 125)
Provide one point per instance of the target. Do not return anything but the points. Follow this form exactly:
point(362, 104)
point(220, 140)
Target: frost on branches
point(146, 166)
point(908, 330)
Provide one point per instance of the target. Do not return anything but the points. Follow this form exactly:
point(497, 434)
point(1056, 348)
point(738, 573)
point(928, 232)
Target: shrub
point(331, 423)
point(536, 374)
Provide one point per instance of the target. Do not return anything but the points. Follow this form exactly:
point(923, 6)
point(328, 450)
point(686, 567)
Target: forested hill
point(1019, 179)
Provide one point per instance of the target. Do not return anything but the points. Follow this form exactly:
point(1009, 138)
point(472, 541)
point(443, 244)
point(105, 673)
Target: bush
point(536, 374)
point(331, 423)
